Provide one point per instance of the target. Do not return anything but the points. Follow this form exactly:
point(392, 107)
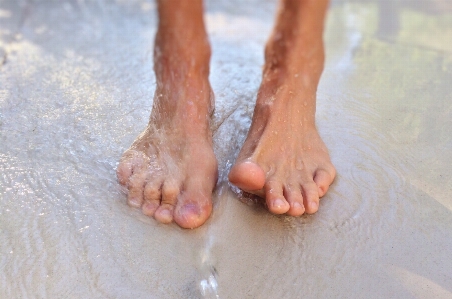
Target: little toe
point(310, 197)
point(274, 197)
point(152, 197)
point(124, 172)
point(323, 179)
point(295, 199)
point(136, 186)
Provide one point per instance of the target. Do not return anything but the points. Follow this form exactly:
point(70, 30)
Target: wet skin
point(170, 170)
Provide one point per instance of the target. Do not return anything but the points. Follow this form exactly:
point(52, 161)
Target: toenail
point(297, 205)
point(278, 203)
point(165, 213)
point(135, 202)
point(191, 209)
point(313, 205)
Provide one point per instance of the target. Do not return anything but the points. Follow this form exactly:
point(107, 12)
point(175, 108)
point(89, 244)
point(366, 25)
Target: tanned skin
point(170, 170)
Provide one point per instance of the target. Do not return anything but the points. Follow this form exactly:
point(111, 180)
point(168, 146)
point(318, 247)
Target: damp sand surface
point(76, 86)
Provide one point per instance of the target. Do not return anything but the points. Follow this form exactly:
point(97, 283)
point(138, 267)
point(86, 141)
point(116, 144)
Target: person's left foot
point(283, 159)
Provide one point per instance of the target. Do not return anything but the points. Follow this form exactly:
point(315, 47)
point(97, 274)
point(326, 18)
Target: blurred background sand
point(76, 87)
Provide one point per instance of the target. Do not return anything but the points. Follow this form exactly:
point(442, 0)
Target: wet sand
point(76, 86)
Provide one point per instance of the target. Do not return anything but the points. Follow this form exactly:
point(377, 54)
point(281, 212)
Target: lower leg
point(170, 170)
point(283, 158)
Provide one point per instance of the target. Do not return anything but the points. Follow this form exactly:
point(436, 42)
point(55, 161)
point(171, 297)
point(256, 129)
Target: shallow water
point(76, 87)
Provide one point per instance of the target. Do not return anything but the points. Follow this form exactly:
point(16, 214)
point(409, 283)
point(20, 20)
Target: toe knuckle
point(170, 196)
point(151, 192)
point(331, 171)
point(311, 191)
point(133, 183)
point(134, 192)
point(171, 193)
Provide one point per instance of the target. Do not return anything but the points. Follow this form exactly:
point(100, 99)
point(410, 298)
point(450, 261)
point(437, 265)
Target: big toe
point(193, 210)
point(247, 176)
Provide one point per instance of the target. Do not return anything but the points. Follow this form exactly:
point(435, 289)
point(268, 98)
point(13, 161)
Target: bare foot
point(283, 159)
point(170, 174)
point(170, 170)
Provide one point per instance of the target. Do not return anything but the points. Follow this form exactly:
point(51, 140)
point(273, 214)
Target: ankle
point(172, 55)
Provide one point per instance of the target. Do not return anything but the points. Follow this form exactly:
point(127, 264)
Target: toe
point(295, 198)
point(247, 176)
point(136, 186)
point(149, 207)
point(152, 196)
point(124, 172)
point(193, 210)
point(170, 192)
point(274, 197)
point(310, 197)
point(164, 213)
point(131, 162)
point(323, 179)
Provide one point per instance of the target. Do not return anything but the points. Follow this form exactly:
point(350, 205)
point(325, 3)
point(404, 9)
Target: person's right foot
point(170, 170)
